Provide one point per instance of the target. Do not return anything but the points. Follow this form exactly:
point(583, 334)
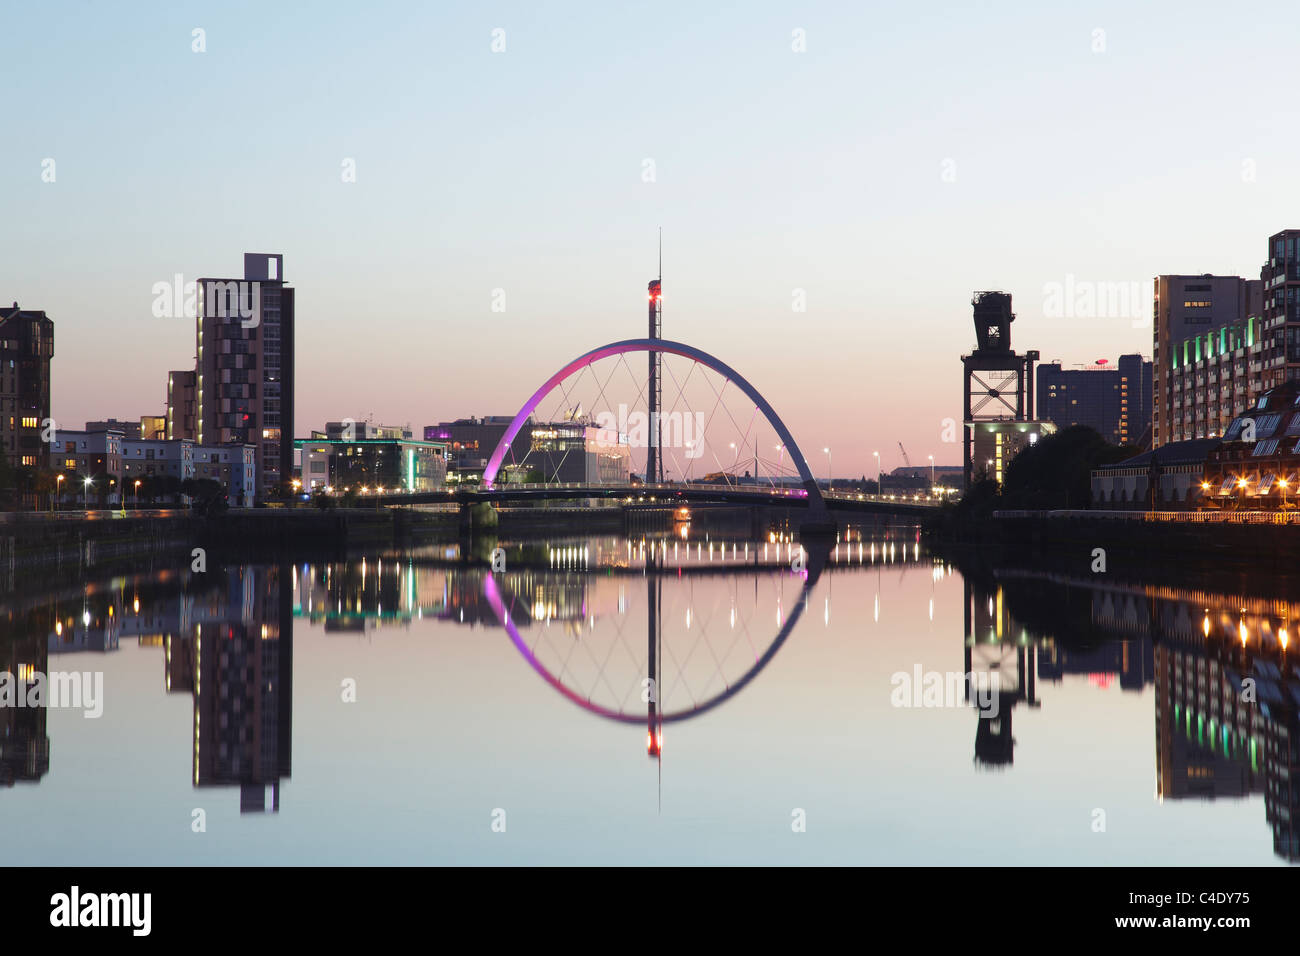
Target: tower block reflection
point(238, 664)
point(24, 744)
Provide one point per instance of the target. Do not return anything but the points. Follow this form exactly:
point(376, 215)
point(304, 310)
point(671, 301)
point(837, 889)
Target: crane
point(906, 460)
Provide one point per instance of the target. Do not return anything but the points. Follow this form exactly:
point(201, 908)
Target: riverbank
point(1125, 542)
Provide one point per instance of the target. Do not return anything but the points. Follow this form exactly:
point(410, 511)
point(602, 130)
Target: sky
point(874, 163)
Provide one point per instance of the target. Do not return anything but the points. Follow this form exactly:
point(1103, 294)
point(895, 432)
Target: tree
point(1056, 471)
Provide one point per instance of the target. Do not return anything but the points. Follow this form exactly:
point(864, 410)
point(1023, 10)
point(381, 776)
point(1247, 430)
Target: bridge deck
point(667, 494)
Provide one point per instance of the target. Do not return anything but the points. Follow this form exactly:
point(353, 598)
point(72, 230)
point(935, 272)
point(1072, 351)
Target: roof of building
point(8, 312)
point(1192, 451)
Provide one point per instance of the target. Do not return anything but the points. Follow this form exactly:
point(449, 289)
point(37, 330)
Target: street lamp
point(137, 494)
point(58, 491)
point(830, 471)
point(932, 474)
point(86, 497)
point(878, 472)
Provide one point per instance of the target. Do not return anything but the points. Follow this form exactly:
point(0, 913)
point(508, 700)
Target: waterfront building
point(576, 452)
point(155, 458)
point(26, 347)
point(182, 405)
point(1280, 280)
point(470, 443)
point(1175, 471)
point(394, 464)
point(245, 367)
point(234, 466)
point(115, 462)
point(1113, 400)
point(1220, 341)
point(1257, 464)
point(96, 455)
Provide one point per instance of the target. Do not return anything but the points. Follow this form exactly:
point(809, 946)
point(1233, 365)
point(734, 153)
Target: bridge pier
point(476, 516)
point(818, 523)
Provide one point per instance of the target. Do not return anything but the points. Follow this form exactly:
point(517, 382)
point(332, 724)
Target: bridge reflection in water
point(597, 619)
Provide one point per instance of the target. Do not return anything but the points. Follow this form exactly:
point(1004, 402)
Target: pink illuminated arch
point(814, 493)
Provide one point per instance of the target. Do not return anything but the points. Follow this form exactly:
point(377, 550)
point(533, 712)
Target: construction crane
point(906, 460)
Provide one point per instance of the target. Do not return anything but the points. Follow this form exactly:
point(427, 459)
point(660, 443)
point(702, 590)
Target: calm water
point(419, 709)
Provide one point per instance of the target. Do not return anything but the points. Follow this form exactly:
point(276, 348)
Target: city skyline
point(886, 209)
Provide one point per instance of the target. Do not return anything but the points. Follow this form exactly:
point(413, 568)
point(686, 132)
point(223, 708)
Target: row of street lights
point(87, 483)
point(830, 467)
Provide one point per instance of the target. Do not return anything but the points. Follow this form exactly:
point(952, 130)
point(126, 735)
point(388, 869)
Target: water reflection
point(225, 638)
point(1226, 691)
point(653, 631)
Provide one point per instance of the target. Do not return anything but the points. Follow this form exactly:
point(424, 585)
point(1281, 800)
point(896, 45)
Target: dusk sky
point(909, 156)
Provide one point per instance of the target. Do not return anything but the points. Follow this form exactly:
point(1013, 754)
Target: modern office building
point(574, 451)
point(1113, 400)
point(245, 371)
point(26, 347)
point(389, 463)
point(1208, 354)
point(182, 405)
point(470, 443)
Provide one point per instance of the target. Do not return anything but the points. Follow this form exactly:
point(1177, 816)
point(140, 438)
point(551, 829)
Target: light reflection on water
point(672, 699)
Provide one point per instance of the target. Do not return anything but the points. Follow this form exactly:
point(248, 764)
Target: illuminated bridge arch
point(815, 500)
